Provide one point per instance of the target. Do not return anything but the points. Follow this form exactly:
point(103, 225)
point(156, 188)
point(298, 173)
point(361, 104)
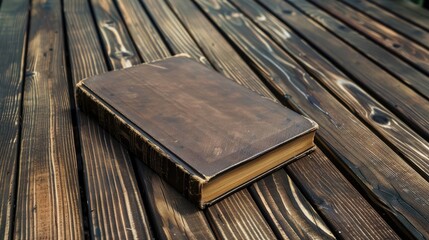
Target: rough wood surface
point(118, 45)
point(407, 10)
point(115, 206)
point(390, 127)
point(175, 35)
point(13, 34)
point(401, 70)
point(236, 218)
point(289, 212)
point(48, 201)
point(340, 132)
point(411, 52)
point(219, 52)
point(393, 94)
point(173, 216)
point(409, 30)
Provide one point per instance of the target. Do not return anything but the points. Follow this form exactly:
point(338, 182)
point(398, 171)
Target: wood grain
point(48, 201)
point(174, 217)
point(13, 35)
point(290, 213)
point(405, 103)
point(401, 70)
point(407, 29)
point(392, 129)
point(407, 10)
point(235, 218)
point(341, 133)
point(411, 52)
point(118, 45)
point(115, 205)
point(219, 52)
point(142, 31)
point(175, 35)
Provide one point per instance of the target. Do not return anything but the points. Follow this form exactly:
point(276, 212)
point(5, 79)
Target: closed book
point(204, 134)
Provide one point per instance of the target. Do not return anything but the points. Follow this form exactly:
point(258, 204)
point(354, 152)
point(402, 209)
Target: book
point(204, 134)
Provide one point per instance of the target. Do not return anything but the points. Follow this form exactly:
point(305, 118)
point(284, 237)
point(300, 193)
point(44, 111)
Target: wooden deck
point(359, 68)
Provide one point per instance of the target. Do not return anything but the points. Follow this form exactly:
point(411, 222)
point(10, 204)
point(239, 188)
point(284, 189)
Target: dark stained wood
point(413, 53)
point(340, 132)
point(142, 31)
point(13, 34)
point(341, 204)
point(409, 30)
point(234, 214)
point(118, 45)
point(406, 10)
point(397, 133)
point(394, 95)
point(290, 213)
point(164, 209)
point(401, 70)
point(219, 52)
point(173, 216)
point(48, 201)
point(175, 35)
point(114, 202)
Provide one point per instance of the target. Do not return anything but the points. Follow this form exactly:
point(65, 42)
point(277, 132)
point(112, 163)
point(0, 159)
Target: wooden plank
point(172, 32)
point(169, 214)
point(175, 35)
point(399, 136)
point(413, 53)
point(13, 35)
point(174, 217)
point(405, 103)
point(236, 212)
point(409, 30)
point(340, 132)
point(219, 52)
point(48, 201)
point(285, 204)
point(142, 31)
point(118, 45)
point(116, 209)
point(407, 10)
point(401, 70)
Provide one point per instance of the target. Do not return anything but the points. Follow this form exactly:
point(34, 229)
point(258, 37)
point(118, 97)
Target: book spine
point(146, 150)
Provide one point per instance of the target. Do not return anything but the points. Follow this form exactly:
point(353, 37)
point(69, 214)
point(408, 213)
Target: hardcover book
point(204, 134)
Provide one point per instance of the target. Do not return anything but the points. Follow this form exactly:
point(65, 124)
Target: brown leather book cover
point(193, 126)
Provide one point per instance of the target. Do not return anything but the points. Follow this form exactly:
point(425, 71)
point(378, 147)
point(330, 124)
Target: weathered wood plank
point(115, 205)
point(218, 51)
point(409, 30)
point(174, 217)
point(176, 36)
point(405, 103)
point(290, 213)
point(397, 134)
point(48, 201)
point(169, 219)
point(406, 10)
point(142, 31)
point(13, 35)
point(411, 52)
point(341, 133)
point(235, 218)
point(119, 47)
point(173, 31)
point(401, 70)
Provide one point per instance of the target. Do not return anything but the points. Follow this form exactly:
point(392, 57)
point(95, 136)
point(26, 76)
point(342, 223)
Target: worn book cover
point(201, 132)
